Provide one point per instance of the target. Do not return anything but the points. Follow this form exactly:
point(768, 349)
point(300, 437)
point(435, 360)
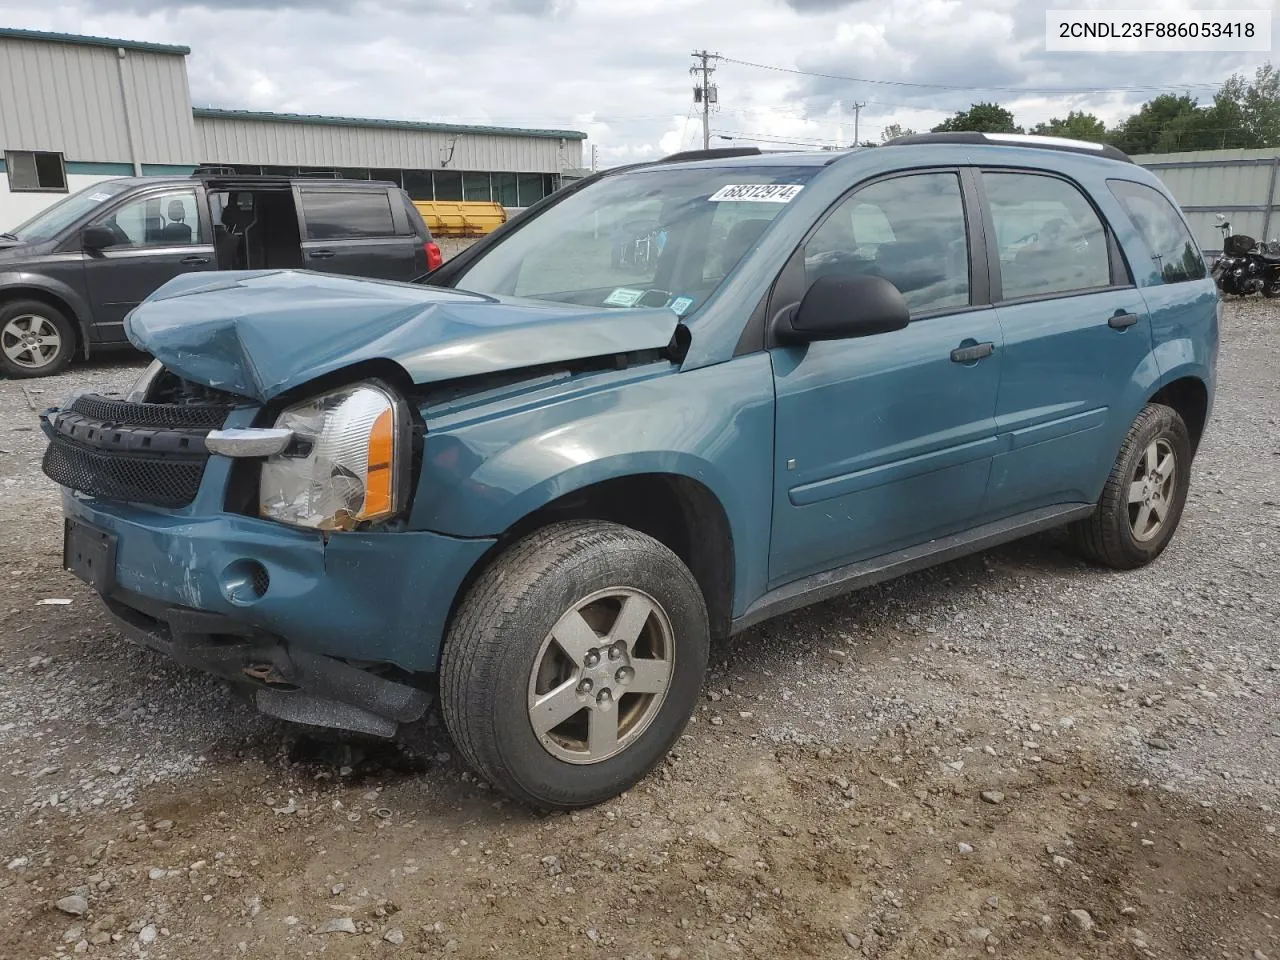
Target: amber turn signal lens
point(379, 480)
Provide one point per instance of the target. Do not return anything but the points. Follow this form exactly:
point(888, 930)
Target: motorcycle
point(1246, 266)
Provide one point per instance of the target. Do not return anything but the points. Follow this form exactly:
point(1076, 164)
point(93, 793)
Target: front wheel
point(1143, 499)
point(574, 663)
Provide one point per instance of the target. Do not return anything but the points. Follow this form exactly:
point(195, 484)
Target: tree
point(1260, 105)
point(981, 118)
point(1076, 126)
point(1141, 132)
point(895, 130)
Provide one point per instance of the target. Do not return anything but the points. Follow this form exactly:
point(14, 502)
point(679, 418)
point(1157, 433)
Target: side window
point(159, 220)
point(347, 214)
point(1176, 254)
point(1050, 240)
point(909, 230)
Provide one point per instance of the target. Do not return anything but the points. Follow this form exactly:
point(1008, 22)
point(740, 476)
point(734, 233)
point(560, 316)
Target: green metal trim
point(9, 33)
point(168, 169)
point(89, 168)
point(214, 113)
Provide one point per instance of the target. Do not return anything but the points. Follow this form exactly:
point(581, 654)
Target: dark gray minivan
point(69, 275)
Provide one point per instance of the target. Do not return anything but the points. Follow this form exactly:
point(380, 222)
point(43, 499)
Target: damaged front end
point(187, 564)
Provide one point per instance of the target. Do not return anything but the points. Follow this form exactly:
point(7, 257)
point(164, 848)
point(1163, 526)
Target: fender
point(14, 282)
point(486, 468)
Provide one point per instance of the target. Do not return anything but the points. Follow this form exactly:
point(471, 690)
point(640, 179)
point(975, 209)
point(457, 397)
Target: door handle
point(1122, 320)
point(194, 260)
point(321, 254)
point(973, 353)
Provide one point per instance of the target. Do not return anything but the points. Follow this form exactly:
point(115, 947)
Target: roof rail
point(1015, 140)
point(213, 170)
point(715, 153)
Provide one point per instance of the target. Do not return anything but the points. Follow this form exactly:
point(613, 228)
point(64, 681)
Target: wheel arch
point(60, 298)
point(678, 511)
point(1188, 395)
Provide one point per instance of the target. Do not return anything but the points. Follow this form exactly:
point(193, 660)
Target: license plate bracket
point(90, 554)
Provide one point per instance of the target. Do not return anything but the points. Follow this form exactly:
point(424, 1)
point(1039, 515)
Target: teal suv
point(660, 406)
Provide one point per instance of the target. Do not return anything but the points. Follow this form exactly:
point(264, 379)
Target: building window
point(391, 175)
point(532, 188)
point(417, 183)
point(475, 186)
point(504, 189)
point(448, 185)
point(32, 171)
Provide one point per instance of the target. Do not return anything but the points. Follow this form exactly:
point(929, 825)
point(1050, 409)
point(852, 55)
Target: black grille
point(162, 481)
point(206, 416)
point(150, 453)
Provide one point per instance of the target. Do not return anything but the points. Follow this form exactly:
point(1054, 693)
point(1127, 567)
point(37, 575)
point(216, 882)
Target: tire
point(1120, 534)
point(502, 667)
point(36, 339)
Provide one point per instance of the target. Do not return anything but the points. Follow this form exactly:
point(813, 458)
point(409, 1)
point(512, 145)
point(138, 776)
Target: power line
point(951, 86)
point(766, 138)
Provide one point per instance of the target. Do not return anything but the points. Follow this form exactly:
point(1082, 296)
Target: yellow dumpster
point(461, 218)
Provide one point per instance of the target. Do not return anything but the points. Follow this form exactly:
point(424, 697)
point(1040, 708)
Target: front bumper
point(380, 599)
point(280, 679)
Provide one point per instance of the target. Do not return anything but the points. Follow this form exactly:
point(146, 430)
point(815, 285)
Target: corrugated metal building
point(1240, 184)
point(76, 110)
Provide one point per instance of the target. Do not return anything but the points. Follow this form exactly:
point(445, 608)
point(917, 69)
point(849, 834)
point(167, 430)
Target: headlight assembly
point(346, 465)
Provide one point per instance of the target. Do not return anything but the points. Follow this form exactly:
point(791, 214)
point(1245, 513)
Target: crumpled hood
point(260, 333)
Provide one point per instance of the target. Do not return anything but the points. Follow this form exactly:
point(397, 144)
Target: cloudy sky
point(619, 69)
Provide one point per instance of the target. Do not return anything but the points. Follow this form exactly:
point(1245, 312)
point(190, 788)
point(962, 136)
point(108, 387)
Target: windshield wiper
point(10, 236)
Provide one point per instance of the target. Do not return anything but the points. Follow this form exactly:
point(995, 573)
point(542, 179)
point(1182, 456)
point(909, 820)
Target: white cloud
point(618, 70)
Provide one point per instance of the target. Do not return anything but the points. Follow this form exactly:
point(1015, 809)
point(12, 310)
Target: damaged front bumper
point(333, 631)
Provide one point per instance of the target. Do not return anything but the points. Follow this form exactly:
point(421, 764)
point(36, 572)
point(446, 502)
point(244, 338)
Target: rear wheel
point(1145, 494)
point(574, 663)
point(36, 340)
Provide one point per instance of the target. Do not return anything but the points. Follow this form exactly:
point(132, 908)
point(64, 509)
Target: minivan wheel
point(36, 340)
point(574, 663)
point(1143, 499)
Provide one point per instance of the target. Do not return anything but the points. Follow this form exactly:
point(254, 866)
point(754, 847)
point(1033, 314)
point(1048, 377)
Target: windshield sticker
point(757, 192)
point(680, 305)
point(623, 297)
point(99, 197)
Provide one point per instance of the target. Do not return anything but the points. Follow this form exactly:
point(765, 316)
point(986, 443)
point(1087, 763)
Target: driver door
point(886, 441)
point(159, 234)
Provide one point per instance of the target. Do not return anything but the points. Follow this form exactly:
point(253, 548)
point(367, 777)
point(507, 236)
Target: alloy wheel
point(1152, 489)
point(30, 341)
point(601, 675)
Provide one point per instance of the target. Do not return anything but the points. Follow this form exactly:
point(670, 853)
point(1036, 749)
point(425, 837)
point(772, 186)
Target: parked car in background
point(537, 486)
point(70, 275)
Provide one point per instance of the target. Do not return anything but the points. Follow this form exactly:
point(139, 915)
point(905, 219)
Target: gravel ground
point(1012, 754)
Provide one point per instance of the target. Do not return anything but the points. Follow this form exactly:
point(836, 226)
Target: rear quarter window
point(417, 225)
point(347, 214)
point(1174, 250)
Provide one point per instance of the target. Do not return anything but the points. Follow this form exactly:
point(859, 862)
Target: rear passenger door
point(1075, 332)
point(356, 231)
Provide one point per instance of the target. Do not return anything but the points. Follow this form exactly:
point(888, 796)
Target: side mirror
point(839, 308)
point(96, 237)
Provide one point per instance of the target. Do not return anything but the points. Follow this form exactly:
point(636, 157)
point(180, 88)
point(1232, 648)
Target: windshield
point(53, 220)
point(650, 238)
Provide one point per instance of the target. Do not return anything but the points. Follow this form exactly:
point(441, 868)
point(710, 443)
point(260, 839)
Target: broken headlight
point(346, 464)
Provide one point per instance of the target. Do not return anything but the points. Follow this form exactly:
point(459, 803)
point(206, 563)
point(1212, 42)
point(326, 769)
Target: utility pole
point(857, 111)
point(705, 92)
